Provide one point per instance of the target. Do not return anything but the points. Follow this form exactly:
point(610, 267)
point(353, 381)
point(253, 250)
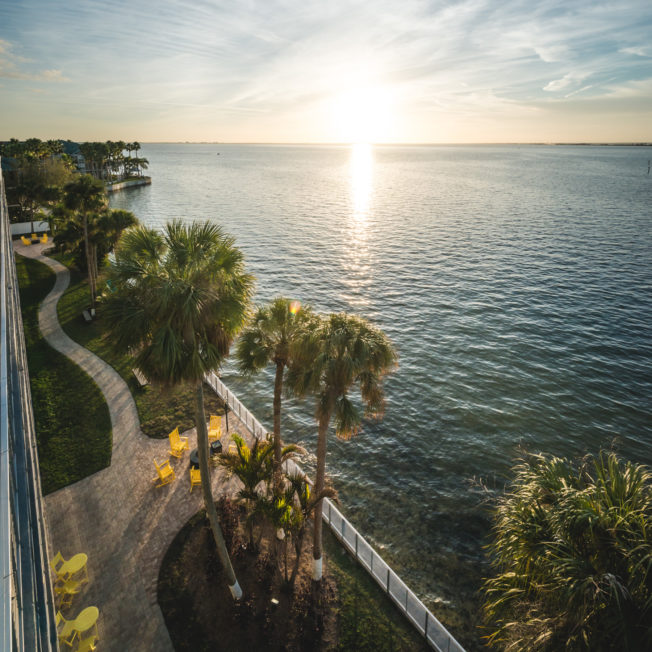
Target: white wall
point(26, 227)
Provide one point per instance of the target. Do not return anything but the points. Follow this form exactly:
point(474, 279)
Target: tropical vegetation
point(36, 175)
point(107, 161)
point(572, 557)
point(270, 338)
point(334, 354)
point(179, 299)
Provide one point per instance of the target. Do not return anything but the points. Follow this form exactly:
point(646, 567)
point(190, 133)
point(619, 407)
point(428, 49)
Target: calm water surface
point(515, 282)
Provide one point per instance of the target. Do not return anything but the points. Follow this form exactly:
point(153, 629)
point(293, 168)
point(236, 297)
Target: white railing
point(417, 613)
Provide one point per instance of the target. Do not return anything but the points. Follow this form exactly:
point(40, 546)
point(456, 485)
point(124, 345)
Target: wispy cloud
point(11, 67)
point(639, 51)
point(278, 58)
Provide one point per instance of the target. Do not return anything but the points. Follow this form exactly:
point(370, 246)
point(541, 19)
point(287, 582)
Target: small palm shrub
point(572, 555)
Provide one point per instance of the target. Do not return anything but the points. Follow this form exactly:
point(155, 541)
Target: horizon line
point(633, 143)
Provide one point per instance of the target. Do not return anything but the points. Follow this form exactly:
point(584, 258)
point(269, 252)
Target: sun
point(362, 115)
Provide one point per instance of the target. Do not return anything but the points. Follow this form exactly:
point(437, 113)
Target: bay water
point(514, 281)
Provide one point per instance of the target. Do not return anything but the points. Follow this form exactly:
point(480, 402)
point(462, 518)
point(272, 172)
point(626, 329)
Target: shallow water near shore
point(515, 282)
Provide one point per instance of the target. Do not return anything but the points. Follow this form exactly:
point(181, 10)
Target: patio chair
point(44, 238)
point(178, 444)
point(215, 428)
point(64, 570)
point(87, 644)
point(195, 478)
point(26, 241)
point(66, 590)
point(86, 623)
point(65, 631)
point(165, 473)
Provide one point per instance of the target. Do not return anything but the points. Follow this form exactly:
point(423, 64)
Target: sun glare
point(362, 115)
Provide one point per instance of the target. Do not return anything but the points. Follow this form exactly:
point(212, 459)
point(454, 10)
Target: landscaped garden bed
point(353, 613)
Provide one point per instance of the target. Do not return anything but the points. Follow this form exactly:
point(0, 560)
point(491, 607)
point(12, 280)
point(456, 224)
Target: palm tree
point(180, 298)
point(340, 351)
point(86, 197)
point(252, 466)
point(290, 511)
point(269, 338)
point(572, 550)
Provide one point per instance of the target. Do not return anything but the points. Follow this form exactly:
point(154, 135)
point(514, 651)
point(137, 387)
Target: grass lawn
point(159, 411)
point(368, 619)
point(73, 426)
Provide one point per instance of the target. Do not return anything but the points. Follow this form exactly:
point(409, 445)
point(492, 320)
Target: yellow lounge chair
point(195, 478)
point(44, 238)
point(178, 444)
point(215, 428)
point(67, 590)
point(65, 631)
point(165, 473)
point(26, 241)
point(64, 570)
point(86, 623)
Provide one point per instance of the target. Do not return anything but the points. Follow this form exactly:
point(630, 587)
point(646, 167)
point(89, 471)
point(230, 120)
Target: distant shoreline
point(205, 142)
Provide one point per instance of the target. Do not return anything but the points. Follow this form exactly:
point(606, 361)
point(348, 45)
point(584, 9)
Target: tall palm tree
point(341, 351)
point(572, 552)
point(180, 298)
point(86, 197)
point(269, 338)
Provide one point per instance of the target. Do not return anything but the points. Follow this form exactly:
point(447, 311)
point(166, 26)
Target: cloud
point(639, 51)
point(11, 67)
point(567, 80)
point(551, 53)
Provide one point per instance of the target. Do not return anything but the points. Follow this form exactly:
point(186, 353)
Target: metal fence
point(417, 613)
point(26, 601)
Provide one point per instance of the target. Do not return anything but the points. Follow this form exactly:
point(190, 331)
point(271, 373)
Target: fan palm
point(338, 352)
point(269, 338)
point(572, 550)
point(180, 298)
point(86, 197)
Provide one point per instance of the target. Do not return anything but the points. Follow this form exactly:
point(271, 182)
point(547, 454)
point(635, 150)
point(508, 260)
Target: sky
point(298, 71)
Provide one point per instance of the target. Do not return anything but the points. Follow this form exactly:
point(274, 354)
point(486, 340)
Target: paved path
point(117, 516)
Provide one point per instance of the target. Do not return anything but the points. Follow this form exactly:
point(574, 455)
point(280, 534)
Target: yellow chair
point(34, 237)
point(195, 477)
point(165, 473)
point(87, 644)
point(86, 623)
point(44, 238)
point(66, 569)
point(66, 590)
point(215, 428)
point(65, 631)
point(178, 444)
point(26, 241)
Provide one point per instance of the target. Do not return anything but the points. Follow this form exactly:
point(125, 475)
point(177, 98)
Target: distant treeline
point(110, 161)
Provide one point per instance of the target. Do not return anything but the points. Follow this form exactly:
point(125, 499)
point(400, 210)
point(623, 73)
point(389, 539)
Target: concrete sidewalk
point(117, 516)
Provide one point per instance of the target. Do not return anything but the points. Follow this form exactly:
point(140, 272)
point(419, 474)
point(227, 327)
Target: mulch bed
point(201, 614)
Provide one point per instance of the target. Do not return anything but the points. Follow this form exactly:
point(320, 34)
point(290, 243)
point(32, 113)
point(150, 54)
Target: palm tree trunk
point(278, 388)
point(211, 512)
point(89, 262)
point(320, 477)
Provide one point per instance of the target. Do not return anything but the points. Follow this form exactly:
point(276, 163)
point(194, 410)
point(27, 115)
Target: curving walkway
point(117, 516)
